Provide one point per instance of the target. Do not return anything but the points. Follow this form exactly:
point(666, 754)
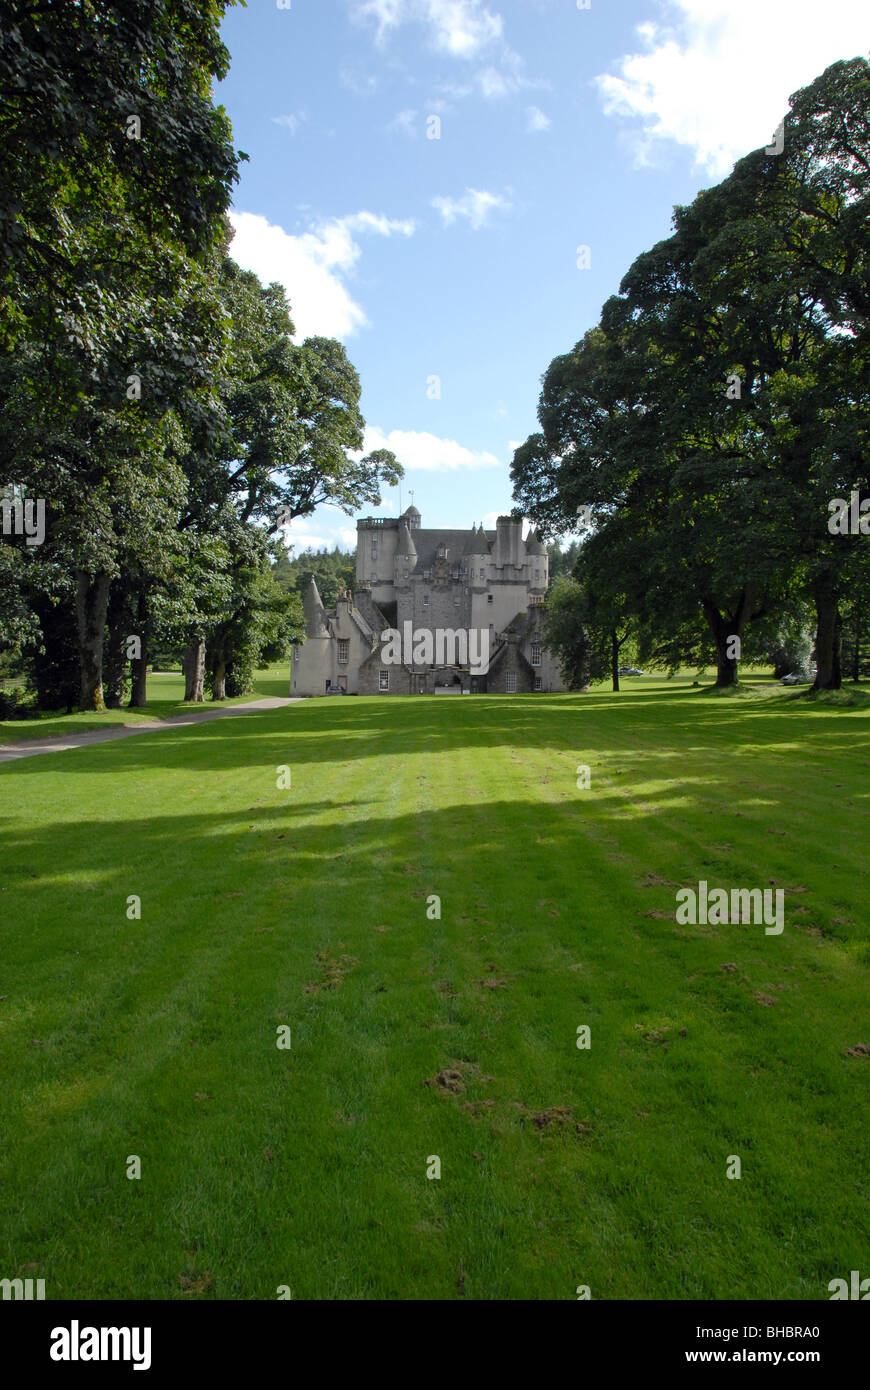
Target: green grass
point(165, 699)
point(308, 1167)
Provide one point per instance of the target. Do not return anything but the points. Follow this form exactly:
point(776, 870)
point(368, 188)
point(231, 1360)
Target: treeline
point(158, 425)
point(709, 437)
point(332, 571)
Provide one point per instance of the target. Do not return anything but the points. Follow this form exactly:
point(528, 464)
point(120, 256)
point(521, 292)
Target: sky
point(453, 188)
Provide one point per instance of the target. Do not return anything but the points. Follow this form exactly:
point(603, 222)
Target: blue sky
point(457, 257)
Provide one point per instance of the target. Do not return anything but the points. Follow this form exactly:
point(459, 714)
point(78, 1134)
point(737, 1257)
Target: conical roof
point(534, 544)
point(405, 544)
point(315, 613)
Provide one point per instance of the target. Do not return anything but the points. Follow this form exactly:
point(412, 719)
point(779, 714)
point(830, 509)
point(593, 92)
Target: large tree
point(723, 400)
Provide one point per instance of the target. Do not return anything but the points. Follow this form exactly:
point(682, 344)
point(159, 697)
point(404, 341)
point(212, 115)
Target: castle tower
point(538, 563)
point(315, 613)
point(477, 556)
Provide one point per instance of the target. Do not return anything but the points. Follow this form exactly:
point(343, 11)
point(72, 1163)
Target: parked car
point(629, 671)
point(795, 678)
point(336, 690)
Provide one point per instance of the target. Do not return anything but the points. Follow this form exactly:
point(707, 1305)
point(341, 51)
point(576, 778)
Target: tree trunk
point(194, 670)
point(614, 659)
point(114, 652)
point(139, 675)
point(92, 596)
point(219, 680)
point(722, 629)
point(139, 664)
point(829, 639)
point(856, 649)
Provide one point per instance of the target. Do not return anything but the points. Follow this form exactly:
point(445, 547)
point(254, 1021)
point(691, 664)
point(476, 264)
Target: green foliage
point(150, 390)
point(566, 635)
point(724, 399)
point(332, 571)
point(260, 619)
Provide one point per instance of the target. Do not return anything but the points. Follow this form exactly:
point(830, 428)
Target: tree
point(332, 571)
point(259, 618)
point(74, 81)
point(564, 633)
point(119, 175)
point(724, 398)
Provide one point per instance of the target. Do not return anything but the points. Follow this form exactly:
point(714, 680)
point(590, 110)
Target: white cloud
point(475, 205)
point(404, 123)
point(311, 266)
point(417, 449)
point(299, 534)
point(536, 120)
point(464, 29)
point(461, 28)
point(490, 518)
point(492, 83)
point(311, 533)
point(365, 84)
point(291, 122)
point(716, 75)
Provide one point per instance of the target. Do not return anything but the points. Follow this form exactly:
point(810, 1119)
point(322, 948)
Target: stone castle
point(431, 581)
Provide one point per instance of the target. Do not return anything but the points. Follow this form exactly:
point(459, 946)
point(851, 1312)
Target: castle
point(443, 584)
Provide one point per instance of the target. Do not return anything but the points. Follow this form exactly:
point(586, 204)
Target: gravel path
point(10, 751)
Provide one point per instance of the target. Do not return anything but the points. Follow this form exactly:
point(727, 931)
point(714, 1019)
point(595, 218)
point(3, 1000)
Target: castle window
point(343, 650)
point(536, 653)
point(510, 682)
point(383, 682)
point(539, 684)
point(455, 600)
point(425, 600)
point(374, 577)
point(489, 598)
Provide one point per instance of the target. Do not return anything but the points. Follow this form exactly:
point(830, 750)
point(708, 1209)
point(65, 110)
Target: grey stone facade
point(437, 581)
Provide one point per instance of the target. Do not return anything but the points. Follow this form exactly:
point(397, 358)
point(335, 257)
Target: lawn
point(165, 699)
point(415, 1037)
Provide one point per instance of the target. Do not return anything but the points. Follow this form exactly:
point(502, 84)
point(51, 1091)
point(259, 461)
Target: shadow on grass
point(657, 723)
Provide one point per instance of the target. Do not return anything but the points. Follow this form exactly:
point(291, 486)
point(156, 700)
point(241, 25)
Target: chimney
point(508, 536)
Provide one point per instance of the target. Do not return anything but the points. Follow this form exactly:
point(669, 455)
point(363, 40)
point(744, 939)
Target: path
point(10, 751)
